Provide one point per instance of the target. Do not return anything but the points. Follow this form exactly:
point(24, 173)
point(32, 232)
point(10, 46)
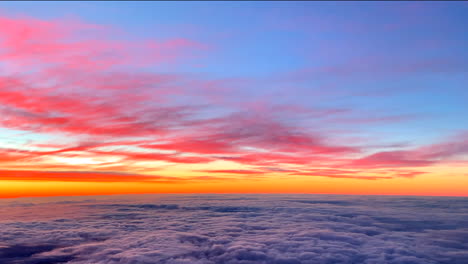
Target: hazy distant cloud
point(238, 229)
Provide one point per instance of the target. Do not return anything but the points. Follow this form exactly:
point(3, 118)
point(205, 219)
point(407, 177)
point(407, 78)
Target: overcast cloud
point(282, 229)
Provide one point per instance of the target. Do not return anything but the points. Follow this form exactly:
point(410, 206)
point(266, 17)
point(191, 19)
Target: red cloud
point(364, 175)
point(77, 176)
point(76, 45)
point(417, 157)
point(243, 172)
point(200, 146)
point(391, 159)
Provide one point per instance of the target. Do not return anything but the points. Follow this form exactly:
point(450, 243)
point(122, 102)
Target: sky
point(233, 97)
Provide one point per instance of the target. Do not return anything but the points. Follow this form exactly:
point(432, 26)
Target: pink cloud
point(417, 157)
point(31, 42)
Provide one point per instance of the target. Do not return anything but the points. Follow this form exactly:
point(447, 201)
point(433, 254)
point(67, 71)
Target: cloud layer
point(245, 229)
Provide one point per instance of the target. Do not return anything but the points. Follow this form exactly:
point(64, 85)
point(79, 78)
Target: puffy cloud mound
point(281, 229)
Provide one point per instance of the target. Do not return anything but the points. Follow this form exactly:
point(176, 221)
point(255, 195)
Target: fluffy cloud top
point(234, 229)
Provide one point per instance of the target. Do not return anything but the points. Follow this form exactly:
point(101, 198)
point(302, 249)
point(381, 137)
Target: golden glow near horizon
point(433, 185)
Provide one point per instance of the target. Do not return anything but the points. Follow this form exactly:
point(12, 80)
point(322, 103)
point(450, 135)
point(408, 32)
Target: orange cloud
point(79, 176)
